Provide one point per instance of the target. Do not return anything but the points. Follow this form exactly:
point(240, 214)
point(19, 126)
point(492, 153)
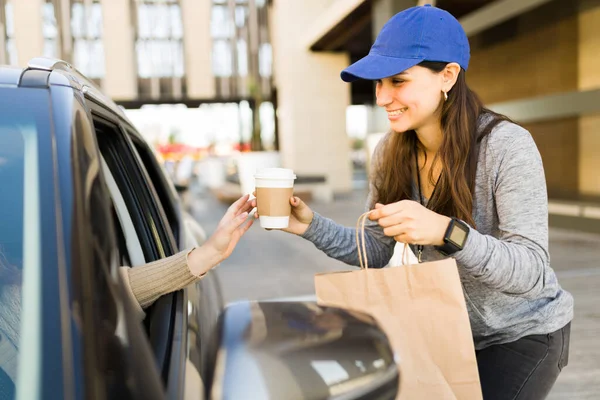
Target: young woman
point(452, 178)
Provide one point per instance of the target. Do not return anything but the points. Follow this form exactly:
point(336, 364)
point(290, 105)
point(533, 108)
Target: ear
point(449, 76)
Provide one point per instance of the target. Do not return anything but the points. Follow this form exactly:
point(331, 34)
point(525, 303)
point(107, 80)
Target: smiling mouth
point(397, 112)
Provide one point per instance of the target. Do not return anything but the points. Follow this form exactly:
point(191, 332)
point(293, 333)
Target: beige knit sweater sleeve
point(146, 283)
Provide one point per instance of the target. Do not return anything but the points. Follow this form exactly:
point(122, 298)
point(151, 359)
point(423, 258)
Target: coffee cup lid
point(275, 173)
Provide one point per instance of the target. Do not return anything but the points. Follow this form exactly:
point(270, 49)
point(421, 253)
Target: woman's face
point(412, 98)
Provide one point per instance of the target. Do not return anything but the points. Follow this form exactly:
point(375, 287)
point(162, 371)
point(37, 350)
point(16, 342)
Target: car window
point(12, 174)
point(160, 184)
point(20, 224)
point(133, 187)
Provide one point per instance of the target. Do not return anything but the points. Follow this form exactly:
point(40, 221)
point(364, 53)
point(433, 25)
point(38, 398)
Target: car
point(82, 196)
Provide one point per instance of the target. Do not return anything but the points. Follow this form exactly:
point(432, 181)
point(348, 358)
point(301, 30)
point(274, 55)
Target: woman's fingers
point(381, 211)
point(245, 228)
point(237, 205)
point(407, 237)
point(399, 230)
point(246, 207)
point(394, 219)
point(236, 222)
point(403, 239)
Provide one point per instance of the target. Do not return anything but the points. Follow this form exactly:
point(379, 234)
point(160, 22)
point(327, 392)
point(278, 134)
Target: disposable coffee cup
point(274, 188)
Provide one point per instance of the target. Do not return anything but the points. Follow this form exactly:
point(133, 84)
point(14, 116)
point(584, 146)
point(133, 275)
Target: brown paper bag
point(422, 310)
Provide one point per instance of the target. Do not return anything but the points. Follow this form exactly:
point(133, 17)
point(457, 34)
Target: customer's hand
point(300, 218)
point(409, 222)
point(220, 245)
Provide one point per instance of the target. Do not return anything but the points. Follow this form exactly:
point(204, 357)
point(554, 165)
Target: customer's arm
point(146, 283)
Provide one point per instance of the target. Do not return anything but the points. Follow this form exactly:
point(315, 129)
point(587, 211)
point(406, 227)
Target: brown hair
point(460, 121)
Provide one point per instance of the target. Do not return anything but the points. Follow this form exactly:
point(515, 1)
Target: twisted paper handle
point(362, 253)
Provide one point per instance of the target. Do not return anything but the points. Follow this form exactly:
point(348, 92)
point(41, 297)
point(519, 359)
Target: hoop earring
point(445, 96)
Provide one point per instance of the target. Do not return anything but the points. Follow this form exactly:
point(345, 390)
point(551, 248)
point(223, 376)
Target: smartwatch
point(454, 238)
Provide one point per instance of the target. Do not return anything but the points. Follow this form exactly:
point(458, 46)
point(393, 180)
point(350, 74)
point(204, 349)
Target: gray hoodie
point(510, 289)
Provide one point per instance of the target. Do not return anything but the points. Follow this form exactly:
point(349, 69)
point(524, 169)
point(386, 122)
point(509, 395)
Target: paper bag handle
point(362, 253)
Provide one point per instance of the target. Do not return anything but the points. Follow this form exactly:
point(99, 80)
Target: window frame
point(88, 41)
point(123, 171)
point(163, 188)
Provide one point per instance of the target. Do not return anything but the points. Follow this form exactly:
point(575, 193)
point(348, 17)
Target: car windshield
point(19, 221)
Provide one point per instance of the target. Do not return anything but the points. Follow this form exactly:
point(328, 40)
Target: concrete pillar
point(312, 98)
point(28, 30)
point(65, 42)
point(589, 155)
point(589, 78)
point(120, 81)
point(197, 44)
point(383, 10)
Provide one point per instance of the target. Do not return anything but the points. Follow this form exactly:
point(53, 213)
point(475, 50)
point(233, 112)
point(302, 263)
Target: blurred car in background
point(82, 195)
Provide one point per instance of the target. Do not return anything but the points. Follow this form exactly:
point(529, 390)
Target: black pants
point(525, 369)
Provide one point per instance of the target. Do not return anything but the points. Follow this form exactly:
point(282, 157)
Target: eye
point(397, 81)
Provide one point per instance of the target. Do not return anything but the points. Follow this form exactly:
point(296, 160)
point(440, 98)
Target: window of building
point(159, 48)
point(242, 62)
point(86, 29)
point(265, 60)
point(160, 39)
point(50, 30)
point(222, 31)
point(7, 40)
point(241, 52)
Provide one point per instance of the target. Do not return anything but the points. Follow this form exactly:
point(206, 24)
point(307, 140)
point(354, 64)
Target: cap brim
point(375, 66)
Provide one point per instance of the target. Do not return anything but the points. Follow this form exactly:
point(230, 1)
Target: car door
point(205, 299)
point(166, 319)
point(110, 353)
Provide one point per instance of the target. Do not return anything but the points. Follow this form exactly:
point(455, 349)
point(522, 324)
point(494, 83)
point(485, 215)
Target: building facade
point(535, 60)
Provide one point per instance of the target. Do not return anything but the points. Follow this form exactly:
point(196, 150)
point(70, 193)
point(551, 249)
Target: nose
point(383, 94)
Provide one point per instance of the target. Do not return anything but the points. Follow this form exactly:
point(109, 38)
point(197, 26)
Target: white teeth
point(397, 112)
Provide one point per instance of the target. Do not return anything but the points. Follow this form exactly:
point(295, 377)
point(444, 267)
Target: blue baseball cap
point(417, 34)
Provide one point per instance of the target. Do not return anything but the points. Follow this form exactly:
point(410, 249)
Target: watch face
point(458, 236)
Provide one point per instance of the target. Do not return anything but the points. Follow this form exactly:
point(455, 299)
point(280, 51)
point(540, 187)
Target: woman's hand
point(409, 222)
point(220, 245)
point(300, 218)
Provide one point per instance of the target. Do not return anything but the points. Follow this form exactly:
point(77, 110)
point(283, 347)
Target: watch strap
point(449, 248)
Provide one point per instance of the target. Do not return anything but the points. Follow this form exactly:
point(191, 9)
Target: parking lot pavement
point(269, 264)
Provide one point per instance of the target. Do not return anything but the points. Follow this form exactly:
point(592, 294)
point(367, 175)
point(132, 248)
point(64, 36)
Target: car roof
point(58, 73)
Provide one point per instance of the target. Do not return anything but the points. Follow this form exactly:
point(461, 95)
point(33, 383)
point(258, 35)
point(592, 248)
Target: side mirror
point(280, 350)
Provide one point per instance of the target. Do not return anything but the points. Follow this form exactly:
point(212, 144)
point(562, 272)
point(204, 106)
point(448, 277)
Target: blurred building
point(535, 60)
